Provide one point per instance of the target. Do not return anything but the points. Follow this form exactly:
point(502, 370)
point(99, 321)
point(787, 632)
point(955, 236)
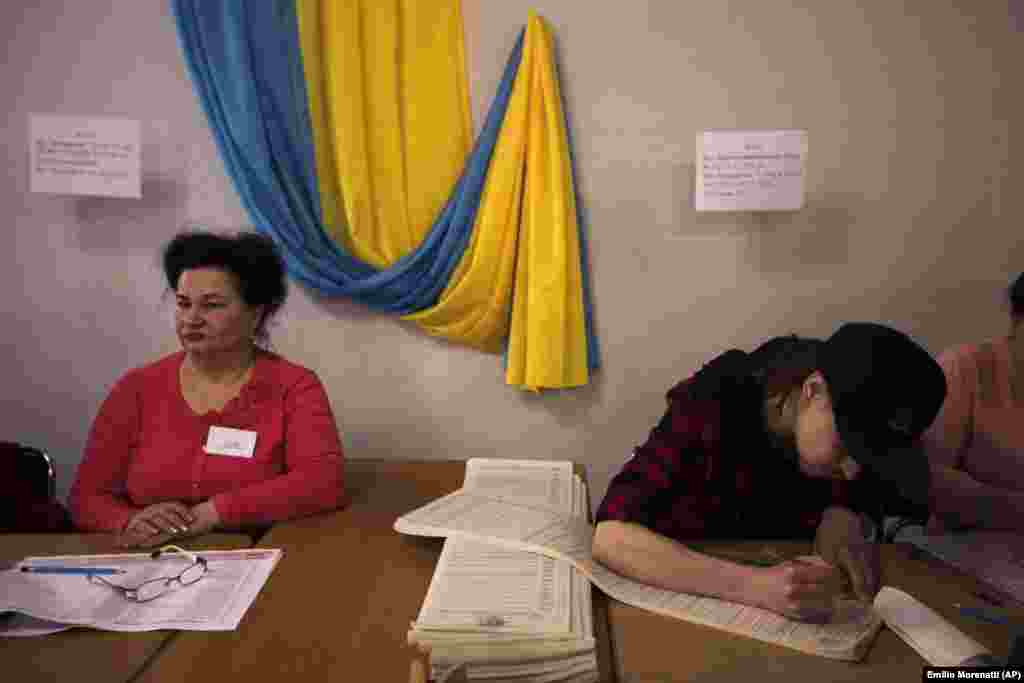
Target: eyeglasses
point(154, 588)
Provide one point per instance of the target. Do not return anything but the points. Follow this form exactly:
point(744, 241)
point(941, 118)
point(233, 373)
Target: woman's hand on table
point(162, 523)
point(205, 519)
point(156, 524)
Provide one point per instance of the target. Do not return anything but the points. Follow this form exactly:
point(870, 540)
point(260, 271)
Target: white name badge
point(237, 443)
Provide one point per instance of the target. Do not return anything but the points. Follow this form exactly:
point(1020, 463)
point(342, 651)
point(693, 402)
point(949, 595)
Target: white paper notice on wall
point(750, 170)
point(85, 156)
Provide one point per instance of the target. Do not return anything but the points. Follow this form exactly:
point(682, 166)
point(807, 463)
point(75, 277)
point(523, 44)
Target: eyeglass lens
point(154, 588)
point(157, 587)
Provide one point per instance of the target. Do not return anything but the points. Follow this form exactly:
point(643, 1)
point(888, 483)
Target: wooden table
point(84, 655)
point(654, 649)
point(340, 602)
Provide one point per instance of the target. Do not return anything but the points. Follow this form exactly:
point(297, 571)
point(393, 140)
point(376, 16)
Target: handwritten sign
point(85, 156)
point(750, 170)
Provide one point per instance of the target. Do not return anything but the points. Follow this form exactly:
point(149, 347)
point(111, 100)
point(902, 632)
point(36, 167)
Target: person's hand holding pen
point(804, 588)
point(840, 541)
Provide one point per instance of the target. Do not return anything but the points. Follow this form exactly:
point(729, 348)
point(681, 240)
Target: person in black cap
point(801, 438)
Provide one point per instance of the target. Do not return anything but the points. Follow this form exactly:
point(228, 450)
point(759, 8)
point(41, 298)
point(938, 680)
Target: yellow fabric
point(526, 237)
point(389, 105)
point(547, 342)
point(381, 192)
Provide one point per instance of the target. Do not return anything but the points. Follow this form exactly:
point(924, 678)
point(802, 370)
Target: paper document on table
point(562, 670)
point(544, 483)
point(934, 638)
point(560, 536)
point(503, 590)
point(491, 589)
point(518, 525)
point(848, 636)
point(502, 611)
point(216, 602)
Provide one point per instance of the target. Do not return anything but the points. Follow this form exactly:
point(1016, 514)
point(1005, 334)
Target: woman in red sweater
point(223, 434)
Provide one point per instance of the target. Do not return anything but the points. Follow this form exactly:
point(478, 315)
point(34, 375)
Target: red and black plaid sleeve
point(663, 484)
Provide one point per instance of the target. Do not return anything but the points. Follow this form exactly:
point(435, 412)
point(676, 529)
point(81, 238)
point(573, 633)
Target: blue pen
point(42, 569)
point(982, 614)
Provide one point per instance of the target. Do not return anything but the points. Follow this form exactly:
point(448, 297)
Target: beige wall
point(913, 217)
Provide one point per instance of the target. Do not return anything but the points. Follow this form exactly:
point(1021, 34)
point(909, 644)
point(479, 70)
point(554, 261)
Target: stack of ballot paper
point(507, 613)
point(474, 610)
point(515, 525)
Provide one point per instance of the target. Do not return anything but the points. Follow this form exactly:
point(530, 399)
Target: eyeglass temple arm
point(173, 548)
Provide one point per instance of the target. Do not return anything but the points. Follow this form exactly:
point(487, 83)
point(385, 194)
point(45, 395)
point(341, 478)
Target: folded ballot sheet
point(504, 612)
point(40, 603)
point(541, 528)
point(544, 530)
point(937, 641)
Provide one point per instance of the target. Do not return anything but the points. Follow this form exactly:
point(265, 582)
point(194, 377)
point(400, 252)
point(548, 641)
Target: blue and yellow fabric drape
point(345, 127)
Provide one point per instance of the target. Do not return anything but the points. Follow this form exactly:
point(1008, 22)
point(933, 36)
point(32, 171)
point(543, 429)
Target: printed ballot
point(48, 602)
point(505, 612)
point(544, 530)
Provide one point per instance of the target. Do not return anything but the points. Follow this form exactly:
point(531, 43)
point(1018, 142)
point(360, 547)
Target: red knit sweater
point(146, 446)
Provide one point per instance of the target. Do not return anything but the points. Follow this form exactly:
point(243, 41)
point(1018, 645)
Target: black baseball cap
point(886, 390)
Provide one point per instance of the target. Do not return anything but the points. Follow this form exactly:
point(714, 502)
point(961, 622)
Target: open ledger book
point(544, 530)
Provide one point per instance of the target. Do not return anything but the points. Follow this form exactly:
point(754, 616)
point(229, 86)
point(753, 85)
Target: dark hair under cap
point(251, 258)
point(782, 364)
point(1017, 297)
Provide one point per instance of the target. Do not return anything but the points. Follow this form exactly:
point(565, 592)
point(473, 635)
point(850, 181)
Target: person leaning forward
point(223, 434)
point(801, 438)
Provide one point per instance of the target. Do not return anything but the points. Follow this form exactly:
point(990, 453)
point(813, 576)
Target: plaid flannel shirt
point(710, 470)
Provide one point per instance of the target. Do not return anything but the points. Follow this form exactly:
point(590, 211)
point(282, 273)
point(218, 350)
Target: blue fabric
point(245, 61)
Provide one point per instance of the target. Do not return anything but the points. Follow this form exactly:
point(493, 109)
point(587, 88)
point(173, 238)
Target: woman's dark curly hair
point(251, 258)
